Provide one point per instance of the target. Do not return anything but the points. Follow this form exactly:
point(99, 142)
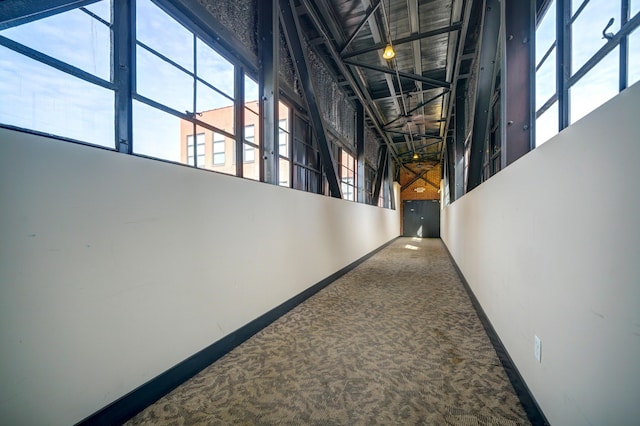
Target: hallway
point(394, 341)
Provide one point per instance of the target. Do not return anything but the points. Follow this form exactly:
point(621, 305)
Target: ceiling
point(408, 97)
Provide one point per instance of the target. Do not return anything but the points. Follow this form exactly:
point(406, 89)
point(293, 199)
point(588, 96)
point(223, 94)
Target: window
point(38, 94)
point(178, 74)
point(251, 143)
point(218, 149)
point(347, 175)
point(284, 161)
point(200, 150)
point(599, 42)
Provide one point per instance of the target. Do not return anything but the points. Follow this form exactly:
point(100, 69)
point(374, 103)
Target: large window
point(55, 75)
point(178, 74)
point(600, 45)
point(251, 142)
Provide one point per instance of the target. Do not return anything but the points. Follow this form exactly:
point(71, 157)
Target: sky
point(36, 96)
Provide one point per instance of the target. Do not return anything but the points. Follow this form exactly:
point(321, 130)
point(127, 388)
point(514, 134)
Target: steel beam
point(370, 12)
point(484, 90)
point(380, 171)
point(413, 180)
point(518, 100)
point(459, 140)
point(563, 60)
point(18, 12)
point(430, 81)
point(293, 37)
point(362, 95)
point(268, 53)
point(360, 160)
point(414, 37)
point(238, 106)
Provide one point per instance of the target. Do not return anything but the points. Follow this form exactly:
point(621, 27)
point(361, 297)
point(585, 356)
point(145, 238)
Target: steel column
point(360, 160)
point(268, 53)
point(563, 60)
point(238, 123)
point(380, 171)
point(298, 53)
point(123, 71)
point(484, 91)
point(459, 140)
point(518, 107)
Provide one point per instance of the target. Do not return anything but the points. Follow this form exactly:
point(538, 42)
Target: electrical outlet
point(537, 348)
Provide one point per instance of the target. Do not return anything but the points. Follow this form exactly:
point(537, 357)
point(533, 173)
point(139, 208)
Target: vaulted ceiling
point(408, 98)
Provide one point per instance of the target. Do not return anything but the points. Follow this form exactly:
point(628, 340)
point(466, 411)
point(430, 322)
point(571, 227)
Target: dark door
point(421, 218)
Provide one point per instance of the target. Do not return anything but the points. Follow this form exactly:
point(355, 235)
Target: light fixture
point(415, 156)
point(388, 52)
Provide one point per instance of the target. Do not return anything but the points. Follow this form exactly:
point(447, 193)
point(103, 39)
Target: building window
point(200, 150)
point(218, 149)
point(248, 155)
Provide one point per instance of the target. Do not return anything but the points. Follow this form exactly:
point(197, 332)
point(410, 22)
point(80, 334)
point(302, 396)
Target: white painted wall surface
point(114, 268)
point(551, 247)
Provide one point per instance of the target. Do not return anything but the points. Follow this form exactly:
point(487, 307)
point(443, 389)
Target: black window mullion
point(164, 58)
point(55, 63)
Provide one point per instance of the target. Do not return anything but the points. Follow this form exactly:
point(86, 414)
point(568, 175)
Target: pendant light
point(388, 52)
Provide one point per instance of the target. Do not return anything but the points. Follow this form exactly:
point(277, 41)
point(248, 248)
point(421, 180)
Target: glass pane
point(251, 168)
point(283, 143)
point(158, 134)
point(598, 86)
point(634, 7)
point(587, 30)
point(251, 95)
point(634, 56)
point(37, 97)
point(547, 125)
point(546, 32)
point(164, 34)
point(283, 172)
point(73, 37)
point(214, 69)
point(162, 82)
point(214, 108)
point(546, 80)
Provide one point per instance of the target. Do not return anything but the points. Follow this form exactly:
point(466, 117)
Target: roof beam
point(430, 81)
point(380, 172)
point(345, 71)
point(418, 36)
point(370, 12)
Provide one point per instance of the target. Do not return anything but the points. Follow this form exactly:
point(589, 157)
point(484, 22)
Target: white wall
point(114, 268)
point(551, 246)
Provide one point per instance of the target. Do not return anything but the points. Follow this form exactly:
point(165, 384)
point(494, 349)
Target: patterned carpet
point(395, 341)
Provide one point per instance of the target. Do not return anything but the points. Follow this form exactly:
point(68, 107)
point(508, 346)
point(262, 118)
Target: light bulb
point(388, 52)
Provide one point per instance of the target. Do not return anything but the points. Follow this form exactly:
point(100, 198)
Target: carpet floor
point(396, 341)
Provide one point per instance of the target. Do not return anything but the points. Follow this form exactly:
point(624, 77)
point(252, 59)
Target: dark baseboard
point(137, 400)
point(531, 407)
